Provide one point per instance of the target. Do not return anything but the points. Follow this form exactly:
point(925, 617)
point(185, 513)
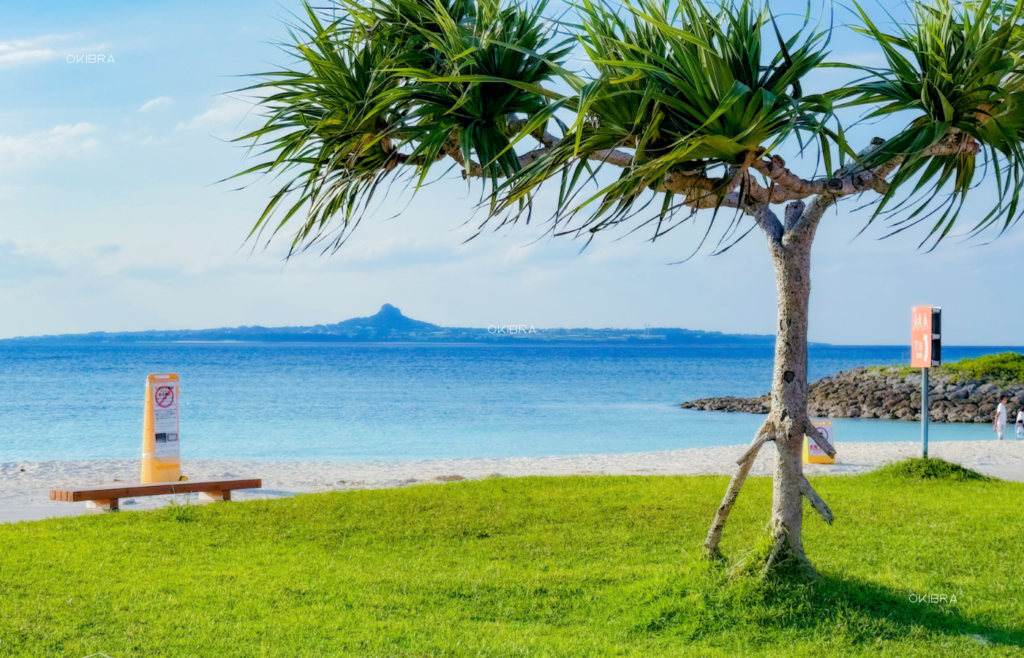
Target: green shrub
point(930, 469)
point(1006, 367)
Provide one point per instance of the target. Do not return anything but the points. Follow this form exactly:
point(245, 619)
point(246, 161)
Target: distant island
point(390, 325)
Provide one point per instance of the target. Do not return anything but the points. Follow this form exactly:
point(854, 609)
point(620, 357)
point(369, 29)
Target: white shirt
point(1020, 416)
point(1001, 414)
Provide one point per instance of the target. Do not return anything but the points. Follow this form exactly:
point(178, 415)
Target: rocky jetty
point(892, 393)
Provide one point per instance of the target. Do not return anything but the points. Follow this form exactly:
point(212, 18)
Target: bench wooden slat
point(108, 491)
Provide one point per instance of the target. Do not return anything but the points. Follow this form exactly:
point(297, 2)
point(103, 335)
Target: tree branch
point(417, 160)
point(473, 169)
point(760, 439)
point(701, 192)
point(789, 186)
point(698, 190)
point(765, 434)
point(816, 501)
point(851, 179)
point(812, 431)
point(856, 178)
point(812, 214)
point(541, 135)
point(612, 157)
point(769, 222)
point(532, 156)
point(794, 211)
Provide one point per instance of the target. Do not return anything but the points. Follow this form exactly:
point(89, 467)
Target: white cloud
point(58, 142)
point(24, 52)
point(226, 112)
point(20, 52)
point(156, 103)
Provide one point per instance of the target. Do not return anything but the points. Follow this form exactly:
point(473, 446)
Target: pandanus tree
point(679, 115)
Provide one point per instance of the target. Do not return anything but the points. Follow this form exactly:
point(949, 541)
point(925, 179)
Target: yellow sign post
point(161, 461)
point(814, 454)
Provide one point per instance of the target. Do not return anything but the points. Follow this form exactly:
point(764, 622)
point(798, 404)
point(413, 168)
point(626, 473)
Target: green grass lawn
point(574, 566)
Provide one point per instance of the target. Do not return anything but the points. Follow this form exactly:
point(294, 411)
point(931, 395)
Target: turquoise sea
point(362, 402)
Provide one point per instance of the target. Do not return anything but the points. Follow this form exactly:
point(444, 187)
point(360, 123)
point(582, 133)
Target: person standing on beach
point(1020, 423)
point(1000, 423)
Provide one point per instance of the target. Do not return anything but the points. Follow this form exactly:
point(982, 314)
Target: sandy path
point(24, 486)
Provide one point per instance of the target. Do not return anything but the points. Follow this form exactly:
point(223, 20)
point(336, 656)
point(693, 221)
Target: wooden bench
point(105, 498)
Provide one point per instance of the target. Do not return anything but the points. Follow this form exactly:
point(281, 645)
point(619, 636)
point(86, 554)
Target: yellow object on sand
point(161, 460)
point(812, 453)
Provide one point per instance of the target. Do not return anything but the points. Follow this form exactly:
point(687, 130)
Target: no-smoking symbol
point(164, 396)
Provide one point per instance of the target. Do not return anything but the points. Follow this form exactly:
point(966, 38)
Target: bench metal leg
point(214, 496)
point(101, 506)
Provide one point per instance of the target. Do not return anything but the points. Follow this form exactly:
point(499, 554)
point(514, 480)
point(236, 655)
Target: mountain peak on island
point(388, 318)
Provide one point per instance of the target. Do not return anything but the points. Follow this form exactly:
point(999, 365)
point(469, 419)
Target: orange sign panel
point(921, 337)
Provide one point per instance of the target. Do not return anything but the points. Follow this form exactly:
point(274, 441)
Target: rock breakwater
point(891, 393)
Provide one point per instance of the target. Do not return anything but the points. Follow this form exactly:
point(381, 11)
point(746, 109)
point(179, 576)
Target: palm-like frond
point(325, 134)
point(957, 66)
point(479, 76)
point(398, 85)
point(396, 82)
point(686, 89)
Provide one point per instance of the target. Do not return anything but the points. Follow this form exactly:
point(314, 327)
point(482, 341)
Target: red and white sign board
point(921, 337)
point(165, 422)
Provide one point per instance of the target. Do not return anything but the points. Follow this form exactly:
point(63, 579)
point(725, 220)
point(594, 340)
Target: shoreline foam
point(24, 486)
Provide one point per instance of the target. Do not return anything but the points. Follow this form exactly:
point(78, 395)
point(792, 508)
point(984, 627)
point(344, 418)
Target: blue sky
point(111, 218)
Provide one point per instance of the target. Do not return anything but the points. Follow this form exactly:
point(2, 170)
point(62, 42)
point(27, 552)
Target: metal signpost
point(925, 352)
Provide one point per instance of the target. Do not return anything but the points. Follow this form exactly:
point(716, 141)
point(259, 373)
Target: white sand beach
point(24, 486)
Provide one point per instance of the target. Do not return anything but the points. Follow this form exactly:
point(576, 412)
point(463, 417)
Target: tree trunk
point(787, 422)
point(792, 261)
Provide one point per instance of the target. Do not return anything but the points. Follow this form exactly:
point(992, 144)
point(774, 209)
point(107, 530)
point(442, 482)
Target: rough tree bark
point(792, 261)
point(790, 249)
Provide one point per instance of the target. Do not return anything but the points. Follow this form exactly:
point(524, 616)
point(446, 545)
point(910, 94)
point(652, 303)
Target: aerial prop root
point(819, 505)
point(764, 434)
